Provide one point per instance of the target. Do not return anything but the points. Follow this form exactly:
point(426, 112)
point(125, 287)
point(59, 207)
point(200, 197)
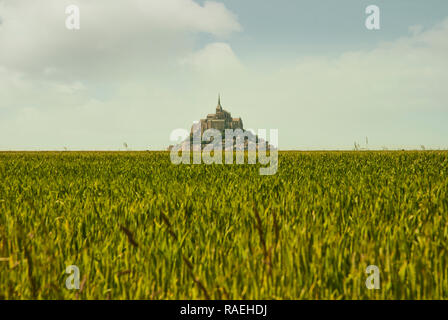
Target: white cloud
point(102, 83)
point(389, 93)
point(133, 73)
point(217, 57)
point(127, 35)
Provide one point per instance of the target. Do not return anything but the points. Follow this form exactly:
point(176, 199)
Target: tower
point(218, 107)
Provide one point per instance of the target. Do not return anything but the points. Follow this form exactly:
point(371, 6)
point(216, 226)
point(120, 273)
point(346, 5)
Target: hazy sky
point(138, 69)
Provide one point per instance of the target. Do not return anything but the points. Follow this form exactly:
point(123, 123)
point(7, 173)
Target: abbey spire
point(218, 107)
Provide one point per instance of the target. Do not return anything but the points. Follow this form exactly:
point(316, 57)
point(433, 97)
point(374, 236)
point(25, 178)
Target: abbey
point(219, 133)
point(220, 120)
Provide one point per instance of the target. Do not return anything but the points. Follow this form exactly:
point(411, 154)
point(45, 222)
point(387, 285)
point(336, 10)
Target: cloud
point(134, 73)
point(129, 35)
point(394, 93)
point(89, 87)
point(214, 58)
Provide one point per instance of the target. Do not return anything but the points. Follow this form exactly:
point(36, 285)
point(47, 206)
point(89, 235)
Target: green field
point(139, 227)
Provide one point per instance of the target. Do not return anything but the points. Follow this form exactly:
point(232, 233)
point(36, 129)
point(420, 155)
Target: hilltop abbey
point(221, 120)
point(220, 132)
point(229, 130)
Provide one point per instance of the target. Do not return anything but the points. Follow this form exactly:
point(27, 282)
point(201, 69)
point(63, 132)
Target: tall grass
point(139, 227)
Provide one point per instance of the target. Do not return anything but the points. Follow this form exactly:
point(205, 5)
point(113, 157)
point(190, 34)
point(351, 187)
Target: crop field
point(139, 227)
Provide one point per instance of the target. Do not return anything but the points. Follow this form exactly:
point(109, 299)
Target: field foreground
point(139, 227)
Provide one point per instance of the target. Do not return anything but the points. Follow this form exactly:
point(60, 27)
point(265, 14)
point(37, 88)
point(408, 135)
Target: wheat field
point(139, 227)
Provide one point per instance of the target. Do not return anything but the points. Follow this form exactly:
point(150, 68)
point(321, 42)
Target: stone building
point(220, 120)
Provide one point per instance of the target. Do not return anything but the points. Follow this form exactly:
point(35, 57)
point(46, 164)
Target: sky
point(138, 69)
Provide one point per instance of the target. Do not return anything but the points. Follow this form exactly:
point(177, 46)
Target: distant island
point(222, 120)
